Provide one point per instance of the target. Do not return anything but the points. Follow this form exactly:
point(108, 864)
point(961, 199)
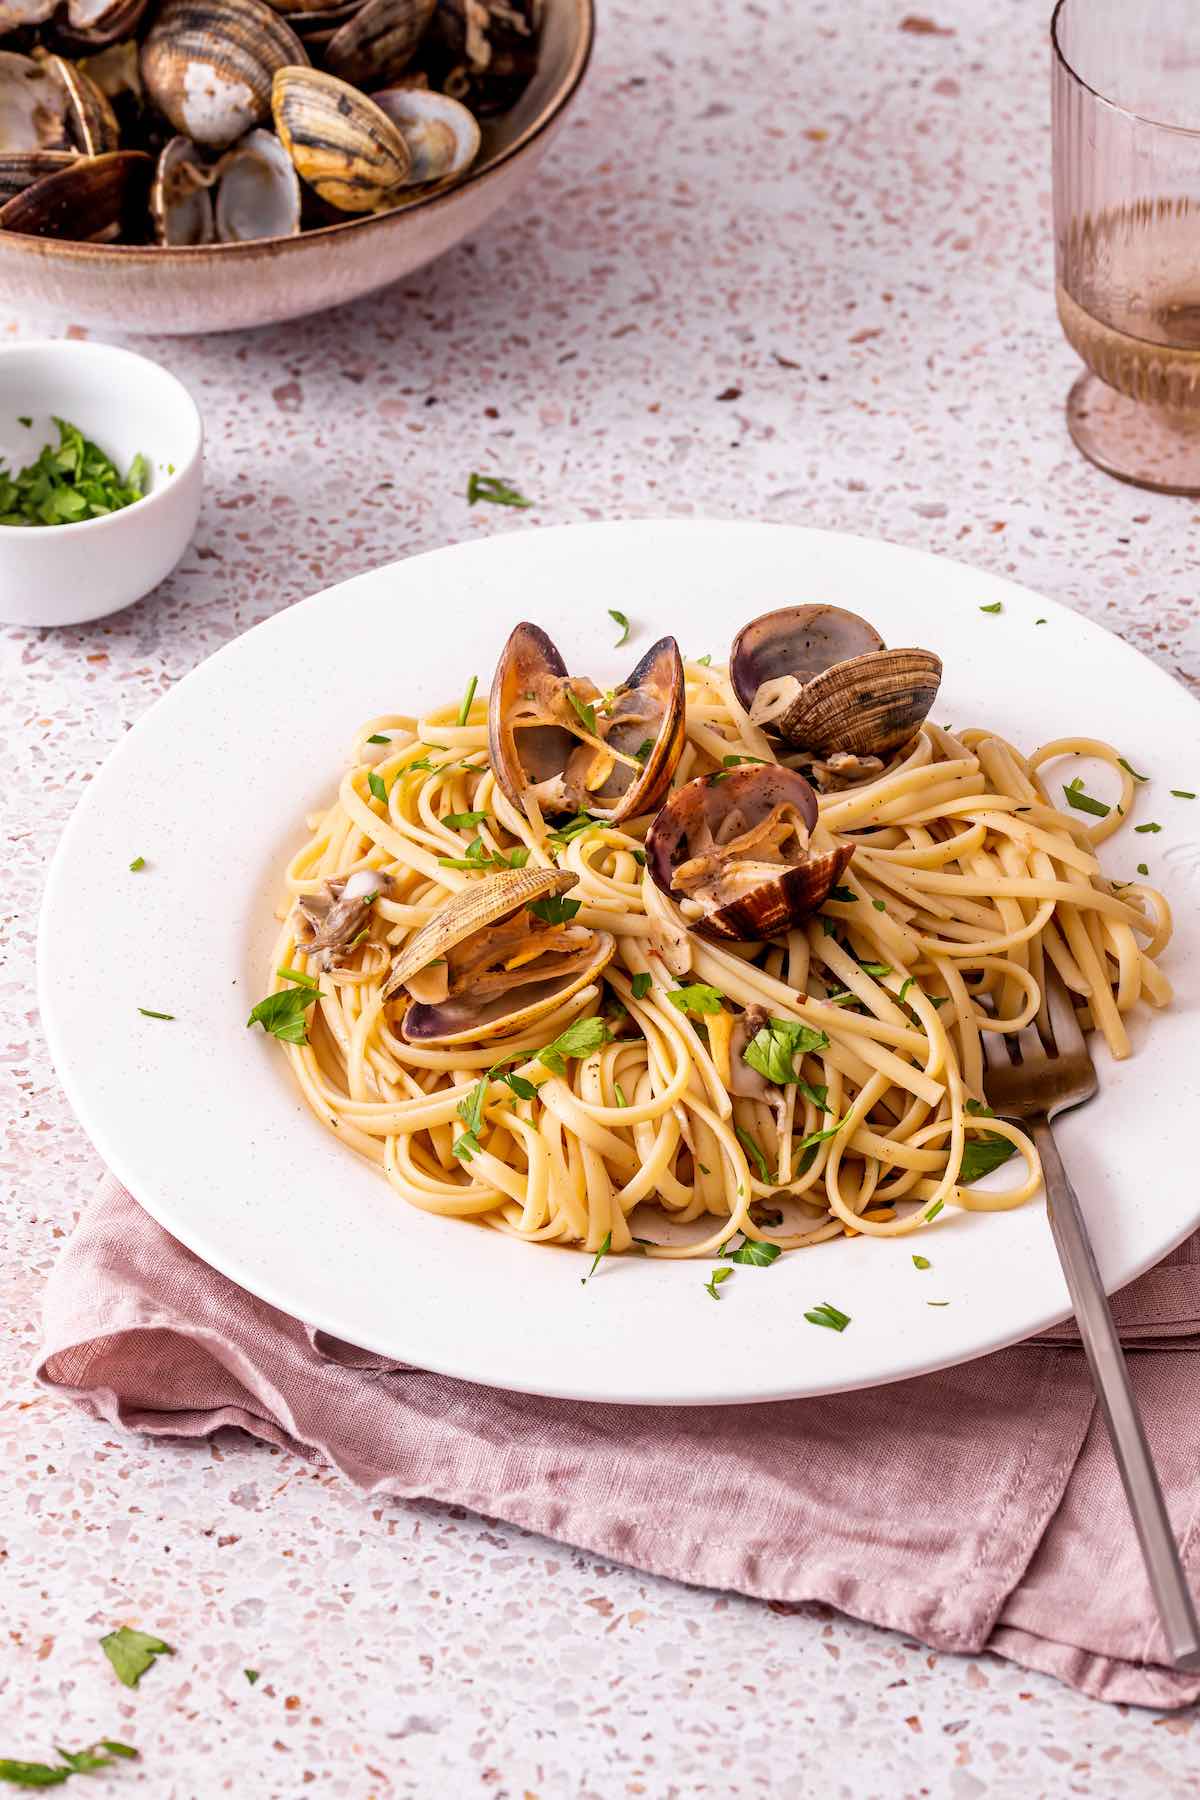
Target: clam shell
point(545, 748)
point(474, 907)
point(340, 142)
point(775, 906)
point(92, 120)
point(180, 198)
point(850, 692)
point(33, 105)
point(19, 169)
point(453, 1022)
point(92, 24)
point(97, 199)
point(378, 41)
point(208, 66)
point(442, 135)
point(258, 191)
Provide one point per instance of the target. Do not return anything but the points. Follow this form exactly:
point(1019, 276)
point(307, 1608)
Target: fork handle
point(1111, 1377)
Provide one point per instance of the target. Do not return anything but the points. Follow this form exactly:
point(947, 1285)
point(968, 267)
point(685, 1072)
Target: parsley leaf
point(378, 787)
point(1130, 770)
point(641, 985)
point(139, 862)
point(65, 485)
point(132, 1652)
point(922, 1262)
point(753, 1151)
point(377, 737)
point(1143, 868)
point(1149, 827)
point(1084, 802)
point(934, 1211)
point(619, 1092)
point(995, 607)
point(846, 895)
point(818, 1094)
point(581, 822)
point(602, 1252)
point(580, 1038)
point(718, 1276)
point(1183, 794)
point(282, 1014)
point(819, 1137)
point(643, 750)
point(758, 1255)
point(623, 622)
point(494, 490)
point(554, 909)
point(698, 999)
point(829, 1316)
point(982, 1155)
point(733, 762)
point(251, 1675)
point(772, 1051)
point(585, 713)
point(147, 1013)
point(463, 821)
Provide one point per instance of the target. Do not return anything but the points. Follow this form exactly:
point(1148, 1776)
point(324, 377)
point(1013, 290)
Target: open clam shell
point(33, 106)
point(490, 967)
point(378, 40)
point(19, 169)
point(180, 198)
point(340, 142)
point(208, 66)
point(258, 191)
point(97, 199)
point(738, 846)
point(442, 136)
point(93, 123)
point(93, 24)
point(821, 678)
point(537, 718)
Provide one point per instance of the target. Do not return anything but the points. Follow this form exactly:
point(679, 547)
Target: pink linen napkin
point(975, 1509)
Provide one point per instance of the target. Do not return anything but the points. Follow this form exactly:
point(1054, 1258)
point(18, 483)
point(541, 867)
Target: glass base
point(1141, 444)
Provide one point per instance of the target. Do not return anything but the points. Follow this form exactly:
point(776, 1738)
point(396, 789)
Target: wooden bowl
point(227, 287)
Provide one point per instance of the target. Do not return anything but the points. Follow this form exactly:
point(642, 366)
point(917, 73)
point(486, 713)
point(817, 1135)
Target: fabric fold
point(969, 1508)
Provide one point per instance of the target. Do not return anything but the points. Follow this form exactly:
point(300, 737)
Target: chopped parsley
point(1183, 794)
point(1083, 801)
point(620, 619)
point(1130, 770)
point(879, 905)
point(554, 909)
point(377, 737)
point(282, 1014)
point(846, 895)
point(698, 999)
point(705, 660)
point(602, 1252)
point(643, 750)
point(818, 1094)
point(922, 1262)
point(585, 713)
point(1143, 868)
point(995, 607)
point(147, 1013)
point(982, 1155)
point(878, 969)
point(476, 857)
point(772, 1052)
point(753, 1151)
point(582, 821)
point(139, 862)
point(378, 787)
point(70, 484)
point(1151, 826)
point(464, 711)
point(580, 1038)
point(619, 1091)
point(905, 985)
point(819, 1137)
point(494, 490)
point(463, 821)
point(934, 1211)
point(251, 1675)
point(641, 985)
point(733, 762)
point(71, 1762)
point(718, 1276)
point(829, 1316)
point(757, 1254)
point(132, 1652)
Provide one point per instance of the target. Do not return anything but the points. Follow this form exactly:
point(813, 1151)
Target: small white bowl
point(66, 574)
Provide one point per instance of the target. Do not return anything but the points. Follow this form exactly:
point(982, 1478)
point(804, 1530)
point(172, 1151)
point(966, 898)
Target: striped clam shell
point(474, 908)
point(441, 134)
point(97, 199)
point(341, 143)
point(208, 66)
point(378, 41)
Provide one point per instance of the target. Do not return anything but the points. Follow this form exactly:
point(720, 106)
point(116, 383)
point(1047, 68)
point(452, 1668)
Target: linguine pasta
point(965, 884)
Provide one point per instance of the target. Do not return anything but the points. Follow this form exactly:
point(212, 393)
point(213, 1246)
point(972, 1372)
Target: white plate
point(200, 1120)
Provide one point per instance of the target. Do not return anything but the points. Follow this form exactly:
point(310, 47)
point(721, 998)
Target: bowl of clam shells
point(208, 165)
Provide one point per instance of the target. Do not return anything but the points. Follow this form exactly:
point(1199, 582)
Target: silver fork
point(1033, 1081)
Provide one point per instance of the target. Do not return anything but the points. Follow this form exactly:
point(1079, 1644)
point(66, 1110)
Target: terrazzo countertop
point(786, 263)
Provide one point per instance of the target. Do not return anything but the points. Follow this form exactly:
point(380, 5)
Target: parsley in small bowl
point(100, 479)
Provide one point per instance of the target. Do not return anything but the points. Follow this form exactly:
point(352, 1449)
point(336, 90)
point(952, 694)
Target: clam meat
point(822, 680)
point(557, 739)
point(735, 850)
point(499, 956)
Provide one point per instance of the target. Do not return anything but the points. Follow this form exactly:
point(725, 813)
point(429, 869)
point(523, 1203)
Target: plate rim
point(226, 1261)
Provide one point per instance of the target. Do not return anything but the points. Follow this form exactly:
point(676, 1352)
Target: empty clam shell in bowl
point(200, 165)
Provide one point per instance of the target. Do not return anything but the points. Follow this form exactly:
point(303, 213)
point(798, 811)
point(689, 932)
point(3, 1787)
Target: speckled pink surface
point(788, 263)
